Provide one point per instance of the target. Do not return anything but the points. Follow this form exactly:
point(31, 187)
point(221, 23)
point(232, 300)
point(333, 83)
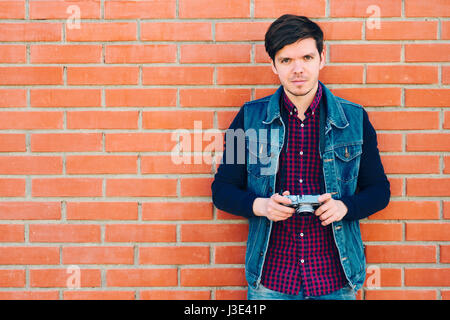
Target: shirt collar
point(292, 109)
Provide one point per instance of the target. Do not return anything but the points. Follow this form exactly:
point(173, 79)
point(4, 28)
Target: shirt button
point(301, 234)
point(302, 125)
point(301, 153)
point(301, 180)
point(302, 261)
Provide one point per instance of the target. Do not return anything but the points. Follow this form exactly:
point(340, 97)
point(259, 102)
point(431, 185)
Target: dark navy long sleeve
point(229, 189)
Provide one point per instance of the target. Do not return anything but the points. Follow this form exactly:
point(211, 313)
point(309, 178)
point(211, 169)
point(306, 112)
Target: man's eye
point(286, 60)
point(307, 58)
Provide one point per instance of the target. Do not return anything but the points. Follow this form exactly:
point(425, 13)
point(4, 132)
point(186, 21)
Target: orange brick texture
point(88, 113)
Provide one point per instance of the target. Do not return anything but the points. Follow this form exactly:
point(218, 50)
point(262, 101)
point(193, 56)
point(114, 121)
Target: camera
point(303, 204)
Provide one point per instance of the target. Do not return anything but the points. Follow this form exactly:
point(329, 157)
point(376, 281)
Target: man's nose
point(298, 66)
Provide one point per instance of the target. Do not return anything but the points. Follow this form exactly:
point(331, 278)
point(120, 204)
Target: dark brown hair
point(289, 29)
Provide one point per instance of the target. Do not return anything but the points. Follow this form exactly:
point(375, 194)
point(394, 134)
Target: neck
point(303, 102)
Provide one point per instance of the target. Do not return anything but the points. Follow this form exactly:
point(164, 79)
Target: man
point(302, 140)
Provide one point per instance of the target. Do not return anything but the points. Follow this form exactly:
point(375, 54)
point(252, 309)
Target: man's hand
point(331, 210)
point(272, 207)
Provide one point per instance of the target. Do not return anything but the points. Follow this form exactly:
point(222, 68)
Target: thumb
point(286, 193)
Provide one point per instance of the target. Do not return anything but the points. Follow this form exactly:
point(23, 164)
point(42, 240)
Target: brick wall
point(88, 188)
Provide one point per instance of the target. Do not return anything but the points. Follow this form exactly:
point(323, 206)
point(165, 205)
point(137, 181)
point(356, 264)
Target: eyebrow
point(313, 54)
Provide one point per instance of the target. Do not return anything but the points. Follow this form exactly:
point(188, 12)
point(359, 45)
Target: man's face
point(298, 65)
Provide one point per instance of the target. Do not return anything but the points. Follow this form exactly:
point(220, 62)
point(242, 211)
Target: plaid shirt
point(302, 252)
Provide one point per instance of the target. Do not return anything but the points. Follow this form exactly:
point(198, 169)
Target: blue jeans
point(262, 293)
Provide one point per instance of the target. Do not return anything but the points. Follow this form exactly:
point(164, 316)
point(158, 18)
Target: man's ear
point(274, 69)
point(322, 58)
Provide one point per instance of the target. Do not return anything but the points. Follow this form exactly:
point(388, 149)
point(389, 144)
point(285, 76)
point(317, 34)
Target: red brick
point(350, 8)
point(410, 164)
point(130, 142)
point(400, 295)
point(426, 52)
point(176, 119)
point(422, 8)
point(370, 97)
point(276, 8)
point(401, 120)
point(98, 295)
point(191, 187)
point(66, 142)
point(216, 9)
point(430, 187)
point(101, 211)
point(381, 231)
point(141, 277)
point(177, 211)
point(11, 142)
point(103, 31)
point(428, 231)
point(141, 187)
point(29, 295)
point(341, 30)
point(97, 255)
point(229, 254)
point(30, 210)
point(174, 255)
point(214, 232)
point(231, 294)
point(30, 165)
point(102, 120)
point(31, 120)
point(66, 187)
point(246, 75)
point(428, 142)
point(140, 97)
point(102, 75)
point(429, 277)
point(13, 98)
point(140, 233)
point(31, 31)
point(214, 97)
point(58, 98)
point(176, 31)
point(14, 9)
point(13, 53)
point(64, 233)
point(390, 142)
point(31, 75)
point(427, 97)
point(177, 75)
point(402, 74)
point(157, 53)
point(58, 9)
point(12, 278)
point(49, 278)
point(400, 254)
point(212, 277)
point(165, 164)
point(158, 9)
point(12, 187)
point(241, 31)
point(403, 30)
point(12, 233)
point(215, 53)
point(101, 164)
point(342, 74)
point(387, 277)
point(65, 54)
point(29, 255)
point(444, 253)
point(175, 295)
point(414, 210)
point(365, 52)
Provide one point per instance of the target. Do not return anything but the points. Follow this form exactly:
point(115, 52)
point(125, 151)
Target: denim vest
point(341, 138)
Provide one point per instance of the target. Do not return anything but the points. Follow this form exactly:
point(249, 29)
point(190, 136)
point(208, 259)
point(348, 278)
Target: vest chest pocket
point(347, 161)
point(261, 157)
